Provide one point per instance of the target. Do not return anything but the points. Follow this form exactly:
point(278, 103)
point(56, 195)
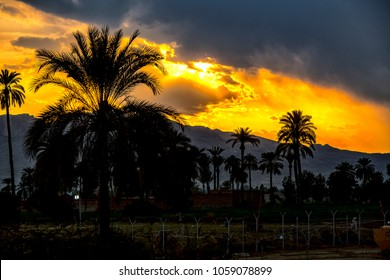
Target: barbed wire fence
point(243, 236)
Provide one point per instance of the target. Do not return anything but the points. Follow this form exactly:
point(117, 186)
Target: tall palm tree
point(11, 93)
point(101, 70)
point(250, 163)
point(243, 136)
point(26, 185)
point(364, 169)
point(232, 165)
point(216, 160)
point(297, 136)
point(204, 173)
point(271, 163)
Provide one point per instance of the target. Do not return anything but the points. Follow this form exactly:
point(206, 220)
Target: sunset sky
point(234, 63)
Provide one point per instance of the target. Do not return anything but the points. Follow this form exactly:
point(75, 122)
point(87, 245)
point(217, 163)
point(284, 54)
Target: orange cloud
point(342, 120)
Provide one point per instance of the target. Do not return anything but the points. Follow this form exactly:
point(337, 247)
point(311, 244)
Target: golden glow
point(342, 120)
point(207, 92)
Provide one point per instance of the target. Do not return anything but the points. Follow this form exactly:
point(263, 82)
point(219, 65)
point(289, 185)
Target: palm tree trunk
point(242, 148)
point(217, 178)
point(11, 161)
point(250, 178)
point(297, 179)
point(271, 190)
point(104, 192)
point(104, 200)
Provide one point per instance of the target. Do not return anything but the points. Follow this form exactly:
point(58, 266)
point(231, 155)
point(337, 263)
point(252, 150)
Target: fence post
point(257, 232)
point(243, 236)
point(197, 232)
point(163, 233)
point(308, 229)
point(132, 228)
point(347, 226)
point(384, 217)
point(229, 235)
point(297, 233)
point(282, 237)
point(359, 224)
point(334, 226)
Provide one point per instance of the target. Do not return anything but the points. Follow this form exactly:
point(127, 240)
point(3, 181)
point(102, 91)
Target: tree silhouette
point(97, 77)
point(342, 182)
point(373, 189)
point(319, 191)
point(204, 173)
point(216, 160)
point(243, 136)
point(271, 163)
point(11, 93)
point(250, 163)
point(8, 183)
point(26, 185)
point(297, 136)
point(232, 165)
point(364, 170)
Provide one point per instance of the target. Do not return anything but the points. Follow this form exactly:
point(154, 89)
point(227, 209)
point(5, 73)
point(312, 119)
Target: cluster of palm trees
point(343, 183)
point(296, 139)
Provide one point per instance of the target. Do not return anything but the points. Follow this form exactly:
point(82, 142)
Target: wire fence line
point(250, 235)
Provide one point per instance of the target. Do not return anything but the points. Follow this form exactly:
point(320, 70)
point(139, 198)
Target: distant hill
point(19, 126)
point(324, 161)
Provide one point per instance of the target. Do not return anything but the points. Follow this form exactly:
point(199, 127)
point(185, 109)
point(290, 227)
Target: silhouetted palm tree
point(26, 185)
point(11, 93)
point(242, 136)
point(342, 182)
point(250, 163)
point(98, 74)
point(232, 165)
point(346, 168)
point(8, 183)
point(271, 163)
point(297, 136)
point(216, 160)
point(364, 169)
point(204, 173)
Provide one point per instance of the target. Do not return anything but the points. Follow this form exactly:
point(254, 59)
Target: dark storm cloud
point(38, 43)
point(343, 43)
point(103, 12)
